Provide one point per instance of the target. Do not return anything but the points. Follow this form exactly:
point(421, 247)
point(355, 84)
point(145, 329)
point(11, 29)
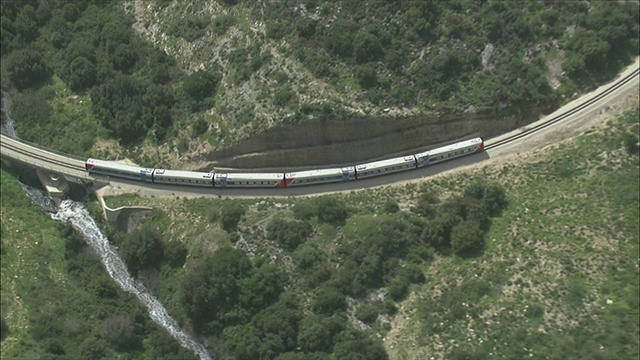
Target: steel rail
point(41, 153)
point(566, 114)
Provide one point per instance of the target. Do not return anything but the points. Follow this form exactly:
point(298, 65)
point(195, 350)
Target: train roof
point(319, 172)
point(451, 147)
point(116, 165)
point(387, 162)
point(184, 174)
point(250, 176)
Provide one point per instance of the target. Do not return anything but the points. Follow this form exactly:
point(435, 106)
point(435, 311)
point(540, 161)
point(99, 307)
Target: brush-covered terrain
point(168, 82)
point(530, 257)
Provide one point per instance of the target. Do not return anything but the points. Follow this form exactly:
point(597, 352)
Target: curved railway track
point(28, 152)
point(75, 166)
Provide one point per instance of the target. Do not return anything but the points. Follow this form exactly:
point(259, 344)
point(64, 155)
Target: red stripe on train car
point(481, 147)
point(288, 181)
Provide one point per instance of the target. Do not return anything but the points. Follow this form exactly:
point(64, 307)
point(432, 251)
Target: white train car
point(110, 168)
point(449, 152)
point(385, 166)
point(319, 176)
point(248, 180)
point(177, 177)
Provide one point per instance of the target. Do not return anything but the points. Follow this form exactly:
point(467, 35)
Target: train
point(285, 180)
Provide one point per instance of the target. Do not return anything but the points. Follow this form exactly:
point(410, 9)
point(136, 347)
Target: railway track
point(26, 153)
point(623, 81)
point(71, 165)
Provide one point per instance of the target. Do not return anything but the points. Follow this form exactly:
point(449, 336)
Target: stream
point(79, 217)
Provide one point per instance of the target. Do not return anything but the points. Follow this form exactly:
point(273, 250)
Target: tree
point(211, 288)
point(283, 95)
point(279, 323)
point(328, 300)
point(124, 57)
point(26, 68)
point(466, 236)
point(304, 210)
point(142, 249)
point(289, 234)
point(398, 288)
point(164, 347)
point(200, 85)
point(118, 330)
point(119, 103)
point(230, 216)
point(25, 24)
point(492, 196)
point(307, 256)
point(354, 345)
point(331, 210)
point(262, 288)
point(367, 48)
point(316, 332)
point(175, 252)
point(366, 76)
point(631, 144)
point(82, 74)
point(4, 328)
point(390, 207)
point(243, 341)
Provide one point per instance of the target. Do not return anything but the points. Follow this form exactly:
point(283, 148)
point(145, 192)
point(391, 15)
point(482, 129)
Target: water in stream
point(78, 216)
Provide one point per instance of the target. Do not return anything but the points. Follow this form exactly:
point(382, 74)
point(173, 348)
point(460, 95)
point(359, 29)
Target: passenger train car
point(162, 176)
point(319, 176)
point(110, 168)
point(248, 180)
point(292, 179)
point(449, 152)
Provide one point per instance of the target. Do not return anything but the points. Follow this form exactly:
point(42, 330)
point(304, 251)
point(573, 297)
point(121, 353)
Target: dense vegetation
point(58, 302)
point(95, 69)
point(51, 50)
point(330, 276)
point(305, 300)
point(455, 54)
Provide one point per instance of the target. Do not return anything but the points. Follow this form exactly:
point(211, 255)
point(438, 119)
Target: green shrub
point(466, 237)
point(200, 126)
point(390, 207)
point(289, 234)
point(328, 301)
point(304, 210)
point(142, 249)
point(230, 216)
point(399, 288)
point(190, 27)
point(331, 210)
point(175, 252)
point(631, 144)
point(200, 85)
point(26, 68)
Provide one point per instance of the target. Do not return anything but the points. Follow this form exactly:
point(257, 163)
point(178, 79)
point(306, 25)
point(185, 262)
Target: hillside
point(169, 82)
point(532, 256)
